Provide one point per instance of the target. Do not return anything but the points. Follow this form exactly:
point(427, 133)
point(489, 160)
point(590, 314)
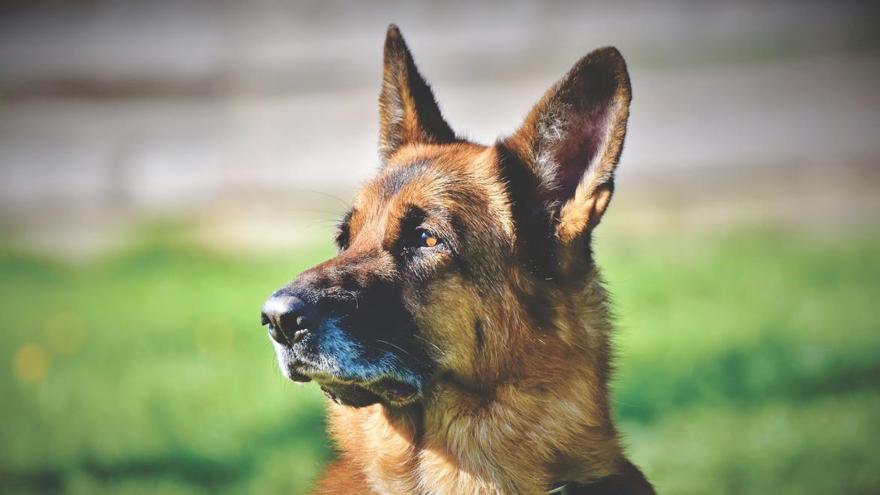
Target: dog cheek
point(444, 317)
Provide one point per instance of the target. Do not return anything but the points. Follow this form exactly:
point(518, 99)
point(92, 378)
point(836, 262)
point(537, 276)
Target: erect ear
point(408, 112)
point(573, 137)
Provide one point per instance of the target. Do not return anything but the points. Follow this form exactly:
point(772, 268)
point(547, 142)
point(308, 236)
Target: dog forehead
point(445, 181)
point(419, 174)
point(426, 174)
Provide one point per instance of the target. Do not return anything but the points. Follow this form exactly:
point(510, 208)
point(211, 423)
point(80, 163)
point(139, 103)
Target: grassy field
point(749, 362)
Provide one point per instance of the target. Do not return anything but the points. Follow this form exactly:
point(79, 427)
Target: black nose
point(289, 318)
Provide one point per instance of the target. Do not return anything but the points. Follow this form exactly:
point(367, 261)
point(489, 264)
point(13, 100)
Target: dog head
point(457, 258)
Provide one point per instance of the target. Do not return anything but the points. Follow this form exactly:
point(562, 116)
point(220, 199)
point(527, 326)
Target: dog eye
point(427, 239)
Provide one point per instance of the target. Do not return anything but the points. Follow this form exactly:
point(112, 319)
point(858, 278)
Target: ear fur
point(573, 137)
point(408, 112)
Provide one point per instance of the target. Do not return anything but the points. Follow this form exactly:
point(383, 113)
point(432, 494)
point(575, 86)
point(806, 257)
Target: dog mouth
point(357, 392)
point(388, 391)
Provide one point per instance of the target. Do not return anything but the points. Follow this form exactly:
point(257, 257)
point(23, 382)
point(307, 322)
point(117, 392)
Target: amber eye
point(427, 239)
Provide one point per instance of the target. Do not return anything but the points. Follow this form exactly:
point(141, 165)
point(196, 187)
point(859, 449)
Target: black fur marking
point(540, 308)
point(394, 180)
point(429, 115)
point(478, 336)
point(343, 231)
point(532, 215)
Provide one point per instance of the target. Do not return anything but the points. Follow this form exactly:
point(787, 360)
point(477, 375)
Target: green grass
point(747, 363)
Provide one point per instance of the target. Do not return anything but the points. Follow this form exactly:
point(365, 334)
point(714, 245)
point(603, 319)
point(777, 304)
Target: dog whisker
point(395, 346)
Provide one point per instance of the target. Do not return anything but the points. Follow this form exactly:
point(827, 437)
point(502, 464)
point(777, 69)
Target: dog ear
point(408, 112)
point(573, 137)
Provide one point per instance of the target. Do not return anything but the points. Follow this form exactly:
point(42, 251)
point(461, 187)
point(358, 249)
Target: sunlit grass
point(747, 363)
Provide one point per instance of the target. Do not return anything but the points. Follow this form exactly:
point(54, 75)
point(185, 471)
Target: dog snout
point(289, 317)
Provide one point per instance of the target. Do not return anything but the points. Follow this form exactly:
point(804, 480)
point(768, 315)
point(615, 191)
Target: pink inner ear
point(574, 152)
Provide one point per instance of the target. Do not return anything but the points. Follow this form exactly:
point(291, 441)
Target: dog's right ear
point(408, 112)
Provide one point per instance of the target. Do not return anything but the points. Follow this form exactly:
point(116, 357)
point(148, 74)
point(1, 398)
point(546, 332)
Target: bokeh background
point(165, 165)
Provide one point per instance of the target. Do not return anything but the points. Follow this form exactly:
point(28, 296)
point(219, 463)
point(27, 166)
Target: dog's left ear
point(408, 112)
point(573, 137)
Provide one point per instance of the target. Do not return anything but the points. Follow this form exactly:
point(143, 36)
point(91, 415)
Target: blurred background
point(165, 165)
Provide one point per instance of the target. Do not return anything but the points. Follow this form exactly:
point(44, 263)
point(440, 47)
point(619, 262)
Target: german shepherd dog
point(462, 330)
